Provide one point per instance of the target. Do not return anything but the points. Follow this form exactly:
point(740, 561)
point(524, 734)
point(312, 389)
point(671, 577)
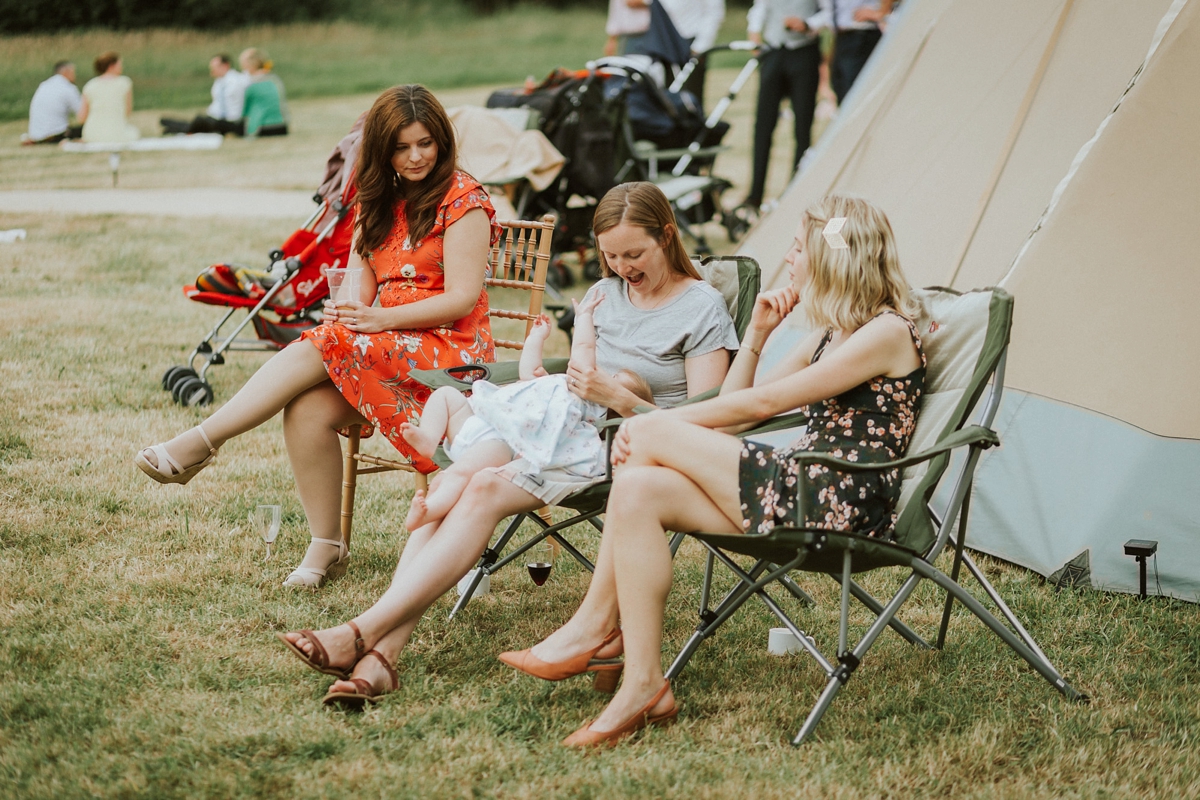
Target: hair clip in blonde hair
point(833, 234)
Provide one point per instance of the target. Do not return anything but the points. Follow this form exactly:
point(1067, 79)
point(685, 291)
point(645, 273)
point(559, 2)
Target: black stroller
point(627, 118)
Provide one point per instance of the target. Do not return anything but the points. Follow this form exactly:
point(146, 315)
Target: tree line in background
point(44, 16)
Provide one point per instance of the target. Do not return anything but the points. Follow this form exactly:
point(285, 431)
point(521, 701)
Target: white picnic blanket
point(191, 141)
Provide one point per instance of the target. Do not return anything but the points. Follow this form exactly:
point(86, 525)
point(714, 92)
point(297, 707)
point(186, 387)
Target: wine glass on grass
point(265, 520)
point(540, 561)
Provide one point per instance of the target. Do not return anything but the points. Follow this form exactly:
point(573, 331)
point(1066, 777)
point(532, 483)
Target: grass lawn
point(138, 659)
point(170, 68)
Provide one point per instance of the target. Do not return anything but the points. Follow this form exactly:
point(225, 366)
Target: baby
point(537, 419)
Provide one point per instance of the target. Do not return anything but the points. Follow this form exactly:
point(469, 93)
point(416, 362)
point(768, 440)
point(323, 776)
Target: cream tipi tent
point(1052, 147)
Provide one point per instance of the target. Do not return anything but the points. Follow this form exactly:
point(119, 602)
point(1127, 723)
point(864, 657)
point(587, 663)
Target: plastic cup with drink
point(345, 284)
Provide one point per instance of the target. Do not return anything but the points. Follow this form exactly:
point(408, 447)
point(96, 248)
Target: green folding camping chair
point(738, 280)
point(966, 339)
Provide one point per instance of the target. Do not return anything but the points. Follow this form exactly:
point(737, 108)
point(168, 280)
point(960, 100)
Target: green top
point(264, 105)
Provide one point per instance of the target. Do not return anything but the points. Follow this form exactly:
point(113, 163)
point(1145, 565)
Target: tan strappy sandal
point(319, 659)
point(168, 470)
point(313, 577)
point(366, 692)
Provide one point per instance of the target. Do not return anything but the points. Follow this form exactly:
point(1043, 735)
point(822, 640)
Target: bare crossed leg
point(434, 559)
point(281, 379)
point(679, 477)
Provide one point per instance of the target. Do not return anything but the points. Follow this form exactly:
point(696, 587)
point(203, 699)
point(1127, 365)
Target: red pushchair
point(286, 299)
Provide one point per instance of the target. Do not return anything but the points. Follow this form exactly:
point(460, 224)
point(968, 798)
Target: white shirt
point(55, 100)
point(845, 15)
point(626, 21)
point(698, 20)
point(766, 18)
point(229, 96)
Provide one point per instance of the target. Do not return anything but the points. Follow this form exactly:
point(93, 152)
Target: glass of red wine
point(541, 561)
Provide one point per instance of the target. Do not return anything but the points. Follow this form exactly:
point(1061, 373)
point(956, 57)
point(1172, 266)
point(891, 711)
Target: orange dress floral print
point(371, 369)
point(873, 422)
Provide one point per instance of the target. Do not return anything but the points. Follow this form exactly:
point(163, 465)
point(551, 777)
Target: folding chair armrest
point(972, 435)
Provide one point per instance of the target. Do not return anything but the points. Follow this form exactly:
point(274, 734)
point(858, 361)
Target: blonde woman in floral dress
point(422, 233)
point(859, 377)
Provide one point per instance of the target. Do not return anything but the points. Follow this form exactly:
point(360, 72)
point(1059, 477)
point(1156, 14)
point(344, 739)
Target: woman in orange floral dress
point(422, 234)
point(859, 379)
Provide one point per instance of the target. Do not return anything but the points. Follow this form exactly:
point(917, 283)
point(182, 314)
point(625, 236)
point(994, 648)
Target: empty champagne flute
point(265, 519)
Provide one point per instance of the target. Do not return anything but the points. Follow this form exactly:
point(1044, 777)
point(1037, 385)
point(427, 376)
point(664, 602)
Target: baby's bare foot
point(422, 441)
point(417, 512)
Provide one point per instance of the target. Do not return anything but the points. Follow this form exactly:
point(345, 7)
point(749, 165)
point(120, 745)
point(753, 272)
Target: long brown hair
point(380, 188)
point(643, 204)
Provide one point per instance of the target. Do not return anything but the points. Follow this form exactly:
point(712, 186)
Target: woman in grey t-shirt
point(658, 319)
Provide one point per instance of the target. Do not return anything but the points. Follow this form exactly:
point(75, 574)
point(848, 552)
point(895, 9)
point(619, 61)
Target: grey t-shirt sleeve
point(654, 343)
point(709, 326)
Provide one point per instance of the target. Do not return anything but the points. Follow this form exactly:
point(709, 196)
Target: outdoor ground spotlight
point(1141, 549)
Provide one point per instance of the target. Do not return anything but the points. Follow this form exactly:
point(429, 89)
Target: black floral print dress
point(873, 422)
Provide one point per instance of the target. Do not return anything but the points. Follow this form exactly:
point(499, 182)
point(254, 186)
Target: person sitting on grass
point(50, 110)
point(264, 112)
point(537, 419)
point(224, 114)
point(107, 103)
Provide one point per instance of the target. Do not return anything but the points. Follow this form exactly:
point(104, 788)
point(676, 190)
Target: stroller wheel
point(182, 384)
point(559, 275)
point(591, 268)
point(193, 392)
point(174, 375)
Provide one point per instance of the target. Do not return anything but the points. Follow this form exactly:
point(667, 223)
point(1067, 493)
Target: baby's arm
point(583, 347)
point(530, 366)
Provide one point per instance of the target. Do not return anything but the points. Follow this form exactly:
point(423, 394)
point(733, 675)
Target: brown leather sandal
point(366, 692)
point(319, 660)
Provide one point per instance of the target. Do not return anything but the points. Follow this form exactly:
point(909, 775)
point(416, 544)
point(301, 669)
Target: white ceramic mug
point(484, 587)
point(781, 641)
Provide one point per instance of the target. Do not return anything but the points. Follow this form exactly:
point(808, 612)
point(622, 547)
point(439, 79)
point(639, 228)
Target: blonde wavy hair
point(848, 287)
point(256, 57)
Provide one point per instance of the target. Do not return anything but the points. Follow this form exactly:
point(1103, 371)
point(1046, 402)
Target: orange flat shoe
point(586, 737)
point(608, 670)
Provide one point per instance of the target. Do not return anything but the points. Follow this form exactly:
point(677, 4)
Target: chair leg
point(814, 717)
point(466, 596)
point(543, 514)
point(863, 596)
point(486, 560)
point(1041, 664)
point(959, 543)
point(796, 592)
point(977, 573)
point(349, 481)
point(749, 584)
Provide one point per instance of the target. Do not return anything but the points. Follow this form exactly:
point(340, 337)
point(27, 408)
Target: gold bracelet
point(753, 349)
